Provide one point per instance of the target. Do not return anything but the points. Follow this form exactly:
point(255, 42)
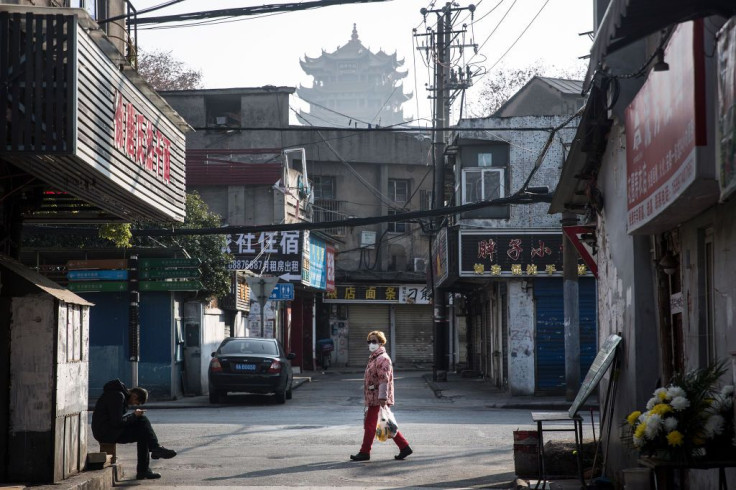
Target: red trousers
point(369, 431)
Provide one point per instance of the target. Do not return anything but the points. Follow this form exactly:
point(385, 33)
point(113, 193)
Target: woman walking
point(378, 387)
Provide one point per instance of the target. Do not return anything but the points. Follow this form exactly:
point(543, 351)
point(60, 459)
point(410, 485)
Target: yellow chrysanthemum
point(674, 438)
point(639, 432)
point(633, 417)
point(661, 408)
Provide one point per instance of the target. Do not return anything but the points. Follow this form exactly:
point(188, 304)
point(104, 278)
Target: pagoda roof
point(352, 51)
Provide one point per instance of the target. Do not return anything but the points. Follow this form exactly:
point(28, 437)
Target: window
point(326, 208)
point(398, 226)
point(482, 184)
point(324, 187)
point(485, 159)
point(425, 200)
point(398, 190)
point(89, 5)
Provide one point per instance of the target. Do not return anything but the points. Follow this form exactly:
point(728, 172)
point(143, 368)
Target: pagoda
point(354, 87)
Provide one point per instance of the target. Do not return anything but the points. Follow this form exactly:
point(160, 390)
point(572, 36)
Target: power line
point(234, 12)
point(520, 35)
point(524, 197)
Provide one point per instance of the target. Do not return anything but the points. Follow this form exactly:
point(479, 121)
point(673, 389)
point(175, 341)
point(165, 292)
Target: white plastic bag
point(387, 426)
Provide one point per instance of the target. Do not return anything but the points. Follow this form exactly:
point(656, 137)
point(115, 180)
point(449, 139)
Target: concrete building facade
point(649, 171)
point(233, 162)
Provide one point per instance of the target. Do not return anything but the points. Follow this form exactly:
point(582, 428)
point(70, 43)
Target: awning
point(626, 21)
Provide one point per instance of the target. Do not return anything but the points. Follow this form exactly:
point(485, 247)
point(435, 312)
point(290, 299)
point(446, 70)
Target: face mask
point(373, 347)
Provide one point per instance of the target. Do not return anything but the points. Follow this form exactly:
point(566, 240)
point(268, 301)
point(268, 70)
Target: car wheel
point(281, 397)
point(214, 396)
point(289, 393)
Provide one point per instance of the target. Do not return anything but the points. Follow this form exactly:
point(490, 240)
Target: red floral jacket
point(379, 379)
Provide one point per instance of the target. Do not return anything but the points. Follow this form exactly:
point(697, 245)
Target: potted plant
point(692, 417)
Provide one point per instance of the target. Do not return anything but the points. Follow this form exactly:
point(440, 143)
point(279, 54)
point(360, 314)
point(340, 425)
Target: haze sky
point(256, 51)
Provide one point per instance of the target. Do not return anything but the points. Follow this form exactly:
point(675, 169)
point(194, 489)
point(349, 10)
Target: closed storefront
point(550, 331)
point(362, 320)
point(413, 337)
point(401, 311)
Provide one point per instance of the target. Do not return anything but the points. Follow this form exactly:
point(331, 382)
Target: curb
point(511, 403)
point(201, 401)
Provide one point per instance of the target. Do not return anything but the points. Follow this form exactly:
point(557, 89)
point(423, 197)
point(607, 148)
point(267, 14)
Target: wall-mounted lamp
point(660, 65)
point(668, 263)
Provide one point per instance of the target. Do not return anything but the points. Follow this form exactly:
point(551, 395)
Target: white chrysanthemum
point(643, 417)
point(654, 424)
point(714, 426)
point(680, 403)
point(670, 424)
point(727, 391)
point(674, 392)
point(652, 402)
point(660, 394)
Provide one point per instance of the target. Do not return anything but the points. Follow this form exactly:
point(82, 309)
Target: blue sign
point(97, 275)
point(314, 261)
point(282, 292)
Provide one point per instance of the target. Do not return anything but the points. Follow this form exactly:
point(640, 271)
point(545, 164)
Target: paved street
point(251, 441)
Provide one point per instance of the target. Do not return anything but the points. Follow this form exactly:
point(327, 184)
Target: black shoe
point(162, 453)
point(404, 453)
point(360, 457)
point(148, 475)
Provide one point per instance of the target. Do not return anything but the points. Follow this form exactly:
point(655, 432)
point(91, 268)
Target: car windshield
point(250, 347)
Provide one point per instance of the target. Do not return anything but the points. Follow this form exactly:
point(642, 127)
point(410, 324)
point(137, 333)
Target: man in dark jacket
point(111, 423)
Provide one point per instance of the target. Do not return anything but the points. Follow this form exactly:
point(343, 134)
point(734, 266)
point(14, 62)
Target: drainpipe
point(314, 333)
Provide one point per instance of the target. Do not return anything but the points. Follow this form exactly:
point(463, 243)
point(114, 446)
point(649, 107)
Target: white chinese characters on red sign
point(664, 124)
point(140, 140)
point(330, 280)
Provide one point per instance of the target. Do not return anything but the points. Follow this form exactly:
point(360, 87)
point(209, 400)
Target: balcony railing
point(329, 210)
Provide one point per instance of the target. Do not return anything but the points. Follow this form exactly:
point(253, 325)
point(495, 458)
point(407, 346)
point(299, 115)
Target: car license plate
point(245, 367)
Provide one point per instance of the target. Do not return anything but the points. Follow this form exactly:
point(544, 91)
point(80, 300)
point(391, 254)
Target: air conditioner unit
point(420, 264)
point(220, 120)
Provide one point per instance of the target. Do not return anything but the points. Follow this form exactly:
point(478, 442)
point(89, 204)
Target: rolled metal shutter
point(362, 319)
point(588, 320)
point(414, 331)
point(550, 335)
point(548, 294)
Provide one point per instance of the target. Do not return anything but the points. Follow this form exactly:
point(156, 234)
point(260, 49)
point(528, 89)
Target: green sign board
point(170, 285)
point(169, 273)
point(163, 263)
point(98, 286)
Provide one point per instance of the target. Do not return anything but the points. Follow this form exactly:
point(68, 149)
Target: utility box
point(44, 362)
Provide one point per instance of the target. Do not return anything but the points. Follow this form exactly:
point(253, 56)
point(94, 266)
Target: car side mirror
point(291, 356)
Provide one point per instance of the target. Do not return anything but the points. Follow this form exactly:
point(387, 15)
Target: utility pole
point(570, 292)
point(445, 80)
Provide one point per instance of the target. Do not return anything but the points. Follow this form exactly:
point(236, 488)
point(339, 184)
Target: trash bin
point(525, 453)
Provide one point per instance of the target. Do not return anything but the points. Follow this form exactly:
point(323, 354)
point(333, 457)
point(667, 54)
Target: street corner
point(300, 380)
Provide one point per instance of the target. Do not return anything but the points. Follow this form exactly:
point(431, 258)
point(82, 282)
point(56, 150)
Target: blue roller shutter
point(550, 339)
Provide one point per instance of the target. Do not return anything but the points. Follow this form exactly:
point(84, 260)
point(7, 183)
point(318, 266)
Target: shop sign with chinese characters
point(665, 123)
point(272, 253)
point(314, 262)
point(484, 253)
point(361, 293)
